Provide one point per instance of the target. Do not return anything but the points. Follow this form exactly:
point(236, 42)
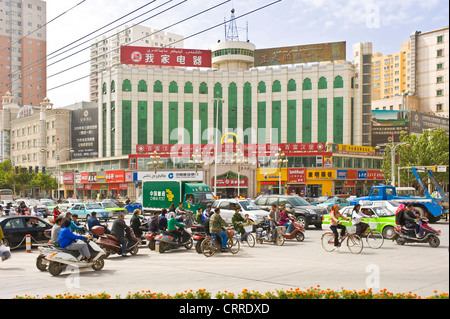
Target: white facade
point(430, 62)
point(105, 50)
point(355, 94)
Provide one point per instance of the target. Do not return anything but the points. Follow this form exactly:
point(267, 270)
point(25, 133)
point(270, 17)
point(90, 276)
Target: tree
point(428, 149)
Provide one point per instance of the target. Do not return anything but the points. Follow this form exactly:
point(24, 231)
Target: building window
point(142, 86)
point(276, 87)
point(440, 79)
point(322, 83)
point(173, 87)
point(157, 87)
point(307, 85)
point(439, 53)
point(440, 39)
point(440, 66)
point(439, 107)
point(262, 87)
point(126, 86)
point(203, 88)
point(188, 88)
point(338, 82)
point(439, 93)
point(292, 86)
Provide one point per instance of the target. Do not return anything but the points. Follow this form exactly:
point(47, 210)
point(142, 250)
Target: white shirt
point(357, 216)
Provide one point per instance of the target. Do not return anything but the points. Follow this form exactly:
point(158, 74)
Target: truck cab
point(197, 195)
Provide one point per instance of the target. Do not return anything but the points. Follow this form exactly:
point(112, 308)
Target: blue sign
point(170, 175)
point(341, 174)
point(362, 174)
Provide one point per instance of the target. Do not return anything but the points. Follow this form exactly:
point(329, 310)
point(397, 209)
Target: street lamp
point(196, 159)
point(217, 99)
point(155, 161)
point(239, 160)
point(280, 161)
point(393, 146)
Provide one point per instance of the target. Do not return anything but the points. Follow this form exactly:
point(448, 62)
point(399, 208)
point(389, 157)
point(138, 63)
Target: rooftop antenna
point(231, 33)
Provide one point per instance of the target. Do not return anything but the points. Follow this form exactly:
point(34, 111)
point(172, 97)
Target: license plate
point(157, 242)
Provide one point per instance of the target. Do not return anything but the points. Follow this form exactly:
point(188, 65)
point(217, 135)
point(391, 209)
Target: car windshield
point(298, 201)
point(247, 205)
point(383, 211)
point(49, 203)
point(204, 196)
point(93, 206)
point(330, 200)
point(33, 202)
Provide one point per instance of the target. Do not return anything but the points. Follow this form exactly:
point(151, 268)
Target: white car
point(228, 208)
point(389, 204)
point(68, 203)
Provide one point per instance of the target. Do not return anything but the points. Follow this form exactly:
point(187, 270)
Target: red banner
point(297, 175)
point(67, 178)
point(231, 182)
point(165, 56)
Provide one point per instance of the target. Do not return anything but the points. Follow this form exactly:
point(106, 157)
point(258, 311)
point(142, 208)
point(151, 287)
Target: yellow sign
point(270, 174)
point(320, 174)
point(353, 148)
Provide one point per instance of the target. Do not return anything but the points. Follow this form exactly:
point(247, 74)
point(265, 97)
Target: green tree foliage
point(429, 149)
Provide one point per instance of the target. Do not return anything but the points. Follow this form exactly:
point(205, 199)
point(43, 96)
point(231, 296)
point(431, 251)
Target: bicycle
point(211, 244)
point(250, 239)
point(354, 242)
point(374, 238)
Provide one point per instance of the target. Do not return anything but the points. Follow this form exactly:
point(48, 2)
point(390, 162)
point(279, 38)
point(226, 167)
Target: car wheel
point(302, 221)
point(388, 232)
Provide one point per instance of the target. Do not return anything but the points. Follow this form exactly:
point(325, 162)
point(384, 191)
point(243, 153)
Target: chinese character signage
point(84, 133)
point(301, 54)
point(170, 176)
point(165, 57)
point(297, 175)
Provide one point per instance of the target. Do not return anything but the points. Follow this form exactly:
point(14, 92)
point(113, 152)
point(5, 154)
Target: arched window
point(188, 87)
point(292, 86)
point(322, 83)
point(126, 86)
point(262, 87)
point(218, 90)
point(157, 87)
point(104, 88)
point(307, 85)
point(203, 88)
point(142, 86)
point(173, 87)
point(113, 86)
point(276, 86)
point(338, 82)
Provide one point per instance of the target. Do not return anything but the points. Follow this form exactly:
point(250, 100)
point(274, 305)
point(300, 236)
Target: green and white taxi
point(381, 219)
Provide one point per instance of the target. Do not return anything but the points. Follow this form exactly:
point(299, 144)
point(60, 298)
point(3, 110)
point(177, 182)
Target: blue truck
point(430, 207)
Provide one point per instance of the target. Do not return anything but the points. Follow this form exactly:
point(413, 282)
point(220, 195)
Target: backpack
point(400, 217)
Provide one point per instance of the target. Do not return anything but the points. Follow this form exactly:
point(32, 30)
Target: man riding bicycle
point(216, 222)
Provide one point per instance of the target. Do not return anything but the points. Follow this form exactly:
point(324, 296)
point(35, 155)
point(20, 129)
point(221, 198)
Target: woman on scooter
point(285, 220)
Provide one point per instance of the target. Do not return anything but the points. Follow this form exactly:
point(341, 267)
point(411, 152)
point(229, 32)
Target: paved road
point(414, 267)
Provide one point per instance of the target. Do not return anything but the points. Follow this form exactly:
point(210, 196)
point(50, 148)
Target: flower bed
point(311, 293)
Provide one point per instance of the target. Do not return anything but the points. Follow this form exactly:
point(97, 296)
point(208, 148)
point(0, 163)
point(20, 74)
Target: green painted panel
point(157, 122)
point(142, 122)
point(203, 117)
point(292, 121)
point(276, 121)
point(126, 127)
point(189, 122)
point(307, 121)
point(261, 122)
point(173, 122)
point(322, 121)
point(232, 106)
point(338, 120)
point(104, 120)
point(247, 112)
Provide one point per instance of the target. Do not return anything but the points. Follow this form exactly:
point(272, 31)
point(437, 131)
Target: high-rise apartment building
point(391, 74)
point(105, 50)
point(23, 50)
point(430, 79)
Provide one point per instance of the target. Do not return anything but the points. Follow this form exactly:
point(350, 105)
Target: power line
point(193, 35)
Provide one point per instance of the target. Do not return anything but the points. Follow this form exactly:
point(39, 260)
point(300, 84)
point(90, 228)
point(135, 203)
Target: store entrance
point(314, 190)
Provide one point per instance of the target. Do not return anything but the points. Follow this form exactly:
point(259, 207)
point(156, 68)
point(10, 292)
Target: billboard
point(165, 57)
point(422, 121)
point(84, 133)
point(301, 54)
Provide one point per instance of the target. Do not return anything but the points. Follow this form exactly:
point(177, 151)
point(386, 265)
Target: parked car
point(305, 213)
point(15, 228)
point(108, 205)
point(330, 202)
point(68, 203)
point(133, 205)
point(383, 217)
point(228, 208)
point(85, 209)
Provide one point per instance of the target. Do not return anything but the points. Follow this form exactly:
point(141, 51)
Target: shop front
point(229, 186)
point(319, 182)
point(296, 181)
point(268, 181)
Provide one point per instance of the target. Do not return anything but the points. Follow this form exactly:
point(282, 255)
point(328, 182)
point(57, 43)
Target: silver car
point(229, 206)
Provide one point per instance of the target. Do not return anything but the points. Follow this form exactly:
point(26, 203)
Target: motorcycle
point(265, 234)
point(198, 235)
point(111, 244)
point(59, 258)
point(403, 235)
point(298, 232)
point(150, 239)
point(166, 240)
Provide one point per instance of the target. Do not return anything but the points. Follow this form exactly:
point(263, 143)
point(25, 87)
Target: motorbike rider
point(172, 225)
point(171, 212)
point(198, 216)
point(93, 221)
point(119, 230)
point(69, 240)
point(411, 220)
point(357, 215)
point(216, 222)
point(55, 230)
point(206, 212)
point(56, 212)
point(163, 220)
point(285, 220)
point(135, 223)
point(274, 218)
point(153, 223)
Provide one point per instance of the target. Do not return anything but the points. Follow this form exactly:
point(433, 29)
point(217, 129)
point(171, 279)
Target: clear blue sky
point(385, 23)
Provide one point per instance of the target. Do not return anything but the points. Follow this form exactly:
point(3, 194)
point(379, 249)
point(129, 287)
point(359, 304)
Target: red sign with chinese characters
point(115, 176)
point(297, 175)
point(231, 182)
point(165, 56)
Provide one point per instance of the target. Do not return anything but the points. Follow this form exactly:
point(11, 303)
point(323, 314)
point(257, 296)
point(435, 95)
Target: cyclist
point(216, 222)
point(335, 225)
point(357, 215)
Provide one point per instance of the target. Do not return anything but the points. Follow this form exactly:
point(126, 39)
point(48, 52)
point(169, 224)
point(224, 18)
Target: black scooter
point(166, 240)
